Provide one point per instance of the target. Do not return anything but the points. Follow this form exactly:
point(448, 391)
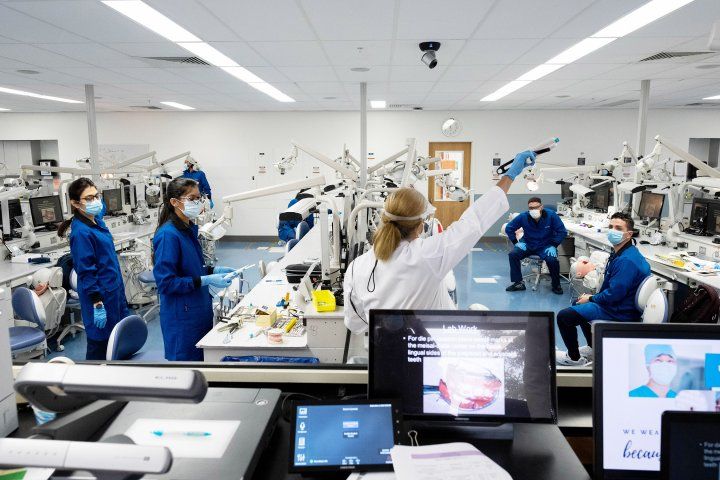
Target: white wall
point(227, 144)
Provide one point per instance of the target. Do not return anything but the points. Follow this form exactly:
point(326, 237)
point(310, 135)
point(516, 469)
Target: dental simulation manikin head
point(662, 367)
point(535, 208)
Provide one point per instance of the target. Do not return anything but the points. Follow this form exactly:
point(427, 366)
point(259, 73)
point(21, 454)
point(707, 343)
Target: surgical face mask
point(663, 372)
point(615, 237)
point(93, 208)
point(535, 214)
point(192, 208)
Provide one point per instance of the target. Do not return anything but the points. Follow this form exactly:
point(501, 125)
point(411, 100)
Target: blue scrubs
point(538, 235)
point(185, 307)
point(286, 228)
point(199, 176)
point(646, 392)
point(99, 279)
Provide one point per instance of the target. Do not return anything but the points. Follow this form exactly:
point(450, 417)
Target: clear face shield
point(425, 216)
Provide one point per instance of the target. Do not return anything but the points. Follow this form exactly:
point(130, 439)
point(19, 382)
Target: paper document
point(185, 438)
point(449, 461)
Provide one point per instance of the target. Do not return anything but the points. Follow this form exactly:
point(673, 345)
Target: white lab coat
point(413, 278)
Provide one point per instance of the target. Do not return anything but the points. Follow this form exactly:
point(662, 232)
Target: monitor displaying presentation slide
point(465, 365)
point(691, 445)
point(347, 435)
point(641, 371)
point(113, 200)
point(45, 211)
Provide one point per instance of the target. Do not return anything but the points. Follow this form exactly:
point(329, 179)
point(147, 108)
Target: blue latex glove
point(551, 252)
point(99, 316)
point(522, 160)
point(212, 204)
point(223, 270)
point(217, 280)
point(521, 246)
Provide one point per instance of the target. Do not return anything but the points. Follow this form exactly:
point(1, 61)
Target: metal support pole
point(642, 117)
point(92, 128)
point(363, 134)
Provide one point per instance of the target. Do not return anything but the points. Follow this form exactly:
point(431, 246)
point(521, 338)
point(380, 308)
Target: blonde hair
point(405, 202)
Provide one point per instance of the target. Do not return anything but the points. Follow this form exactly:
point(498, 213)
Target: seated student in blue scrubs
point(100, 284)
point(193, 172)
point(288, 222)
point(543, 232)
point(626, 269)
point(662, 368)
point(180, 273)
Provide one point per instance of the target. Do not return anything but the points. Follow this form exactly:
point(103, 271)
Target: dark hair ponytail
point(175, 189)
point(76, 188)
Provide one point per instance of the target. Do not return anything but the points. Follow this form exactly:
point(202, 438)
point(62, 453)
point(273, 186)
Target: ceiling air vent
point(701, 104)
point(618, 103)
point(403, 106)
point(164, 61)
point(682, 56)
point(145, 107)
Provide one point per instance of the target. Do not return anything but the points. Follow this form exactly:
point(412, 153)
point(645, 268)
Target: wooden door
point(456, 156)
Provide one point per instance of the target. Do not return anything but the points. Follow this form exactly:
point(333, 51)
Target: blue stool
point(147, 279)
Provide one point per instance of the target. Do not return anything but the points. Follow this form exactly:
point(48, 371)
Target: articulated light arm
point(691, 159)
point(389, 159)
point(156, 165)
point(345, 171)
point(132, 160)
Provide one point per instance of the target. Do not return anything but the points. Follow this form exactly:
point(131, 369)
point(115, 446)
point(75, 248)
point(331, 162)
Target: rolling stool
point(147, 279)
point(536, 264)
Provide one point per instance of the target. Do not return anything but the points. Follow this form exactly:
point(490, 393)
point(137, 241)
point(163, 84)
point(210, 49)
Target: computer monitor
point(461, 367)
point(713, 218)
point(691, 444)
point(651, 205)
point(602, 198)
point(130, 195)
point(113, 201)
point(46, 211)
point(565, 192)
point(699, 215)
point(14, 211)
point(640, 371)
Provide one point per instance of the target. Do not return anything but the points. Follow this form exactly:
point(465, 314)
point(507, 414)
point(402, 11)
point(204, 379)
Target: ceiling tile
point(690, 20)
point(598, 15)
point(376, 74)
point(479, 73)
point(444, 86)
point(632, 49)
point(351, 20)
point(494, 51)
point(150, 74)
point(21, 27)
point(92, 53)
point(309, 74)
point(426, 19)
point(326, 88)
point(266, 20)
point(358, 53)
point(291, 54)
point(411, 87)
point(91, 20)
point(37, 56)
point(204, 74)
point(155, 49)
point(97, 75)
point(416, 73)
point(191, 15)
point(241, 52)
point(532, 19)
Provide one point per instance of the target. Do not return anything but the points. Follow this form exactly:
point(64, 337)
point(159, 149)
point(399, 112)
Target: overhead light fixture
point(4, 109)
point(640, 17)
point(177, 105)
point(13, 91)
point(209, 54)
point(715, 97)
point(634, 20)
point(378, 104)
point(506, 89)
point(150, 18)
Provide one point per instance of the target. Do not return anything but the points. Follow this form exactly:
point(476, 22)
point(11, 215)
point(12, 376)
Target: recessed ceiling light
point(378, 104)
point(715, 97)
point(4, 109)
point(179, 106)
point(360, 69)
point(23, 93)
point(707, 67)
point(150, 18)
point(27, 72)
point(634, 20)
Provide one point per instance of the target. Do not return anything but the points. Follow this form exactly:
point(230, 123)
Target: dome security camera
point(429, 58)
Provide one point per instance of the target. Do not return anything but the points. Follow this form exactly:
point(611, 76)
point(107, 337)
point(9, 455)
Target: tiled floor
point(491, 262)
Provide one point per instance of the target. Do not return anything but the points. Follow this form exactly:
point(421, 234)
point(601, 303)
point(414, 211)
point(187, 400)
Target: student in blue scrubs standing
point(100, 285)
point(181, 276)
point(193, 172)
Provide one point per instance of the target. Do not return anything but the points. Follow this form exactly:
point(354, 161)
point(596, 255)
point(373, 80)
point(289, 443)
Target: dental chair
point(47, 285)
point(27, 337)
point(126, 340)
point(651, 299)
point(147, 280)
point(73, 306)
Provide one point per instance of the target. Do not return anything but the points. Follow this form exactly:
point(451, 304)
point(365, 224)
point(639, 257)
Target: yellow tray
point(323, 300)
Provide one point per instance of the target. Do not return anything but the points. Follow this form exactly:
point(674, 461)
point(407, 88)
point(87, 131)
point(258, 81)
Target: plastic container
point(323, 300)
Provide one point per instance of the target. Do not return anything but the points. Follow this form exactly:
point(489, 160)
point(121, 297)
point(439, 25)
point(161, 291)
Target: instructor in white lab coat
point(403, 271)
